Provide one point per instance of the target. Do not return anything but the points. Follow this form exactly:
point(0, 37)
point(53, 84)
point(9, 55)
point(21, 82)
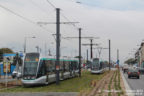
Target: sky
point(121, 21)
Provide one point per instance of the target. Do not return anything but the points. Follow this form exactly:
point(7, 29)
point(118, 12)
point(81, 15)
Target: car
point(17, 74)
point(141, 70)
point(125, 68)
point(133, 73)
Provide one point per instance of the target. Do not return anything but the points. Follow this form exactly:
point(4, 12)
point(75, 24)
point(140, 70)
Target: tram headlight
point(28, 77)
point(25, 77)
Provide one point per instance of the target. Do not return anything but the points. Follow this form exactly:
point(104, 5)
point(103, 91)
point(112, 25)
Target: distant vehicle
point(17, 74)
point(141, 70)
point(133, 73)
point(97, 66)
point(125, 68)
point(38, 70)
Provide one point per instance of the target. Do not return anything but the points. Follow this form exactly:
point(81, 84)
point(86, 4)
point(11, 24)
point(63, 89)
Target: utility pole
point(91, 45)
point(87, 56)
point(91, 48)
point(109, 55)
point(37, 47)
point(80, 52)
point(57, 66)
point(57, 44)
point(80, 46)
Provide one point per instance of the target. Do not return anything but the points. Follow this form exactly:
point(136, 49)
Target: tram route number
point(57, 67)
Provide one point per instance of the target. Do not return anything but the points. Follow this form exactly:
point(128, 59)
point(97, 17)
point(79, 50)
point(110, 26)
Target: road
point(136, 84)
point(2, 80)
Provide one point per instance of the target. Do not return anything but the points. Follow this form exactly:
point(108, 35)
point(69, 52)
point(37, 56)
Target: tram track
point(100, 85)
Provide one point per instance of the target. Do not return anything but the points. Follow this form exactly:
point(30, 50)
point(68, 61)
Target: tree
point(4, 50)
point(77, 57)
point(130, 61)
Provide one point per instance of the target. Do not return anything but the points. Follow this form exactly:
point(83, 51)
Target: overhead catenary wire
point(69, 21)
point(51, 4)
point(62, 14)
point(7, 9)
point(24, 18)
point(42, 9)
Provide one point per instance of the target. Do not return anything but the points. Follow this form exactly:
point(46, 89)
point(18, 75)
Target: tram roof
point(55, 59)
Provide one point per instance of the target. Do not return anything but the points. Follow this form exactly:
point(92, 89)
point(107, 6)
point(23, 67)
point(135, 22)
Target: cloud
point(115, 4)
point(124, 28)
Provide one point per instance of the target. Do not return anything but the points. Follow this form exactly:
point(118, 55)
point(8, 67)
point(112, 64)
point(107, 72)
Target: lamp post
point(38, 49)
point(25, 40)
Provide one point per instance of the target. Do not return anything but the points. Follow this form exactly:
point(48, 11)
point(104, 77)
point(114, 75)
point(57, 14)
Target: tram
point(38, 70)
point(98, 66)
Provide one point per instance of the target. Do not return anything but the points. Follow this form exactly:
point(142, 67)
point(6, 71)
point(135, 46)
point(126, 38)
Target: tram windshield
point(95, 63)
point(30, 64)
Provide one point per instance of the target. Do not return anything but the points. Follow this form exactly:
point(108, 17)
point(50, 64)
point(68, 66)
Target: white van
point(17, 74)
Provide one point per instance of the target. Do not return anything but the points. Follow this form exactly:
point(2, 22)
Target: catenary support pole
point(109, 55)
point(87, 56)
point(57, 44)
point(79, 52)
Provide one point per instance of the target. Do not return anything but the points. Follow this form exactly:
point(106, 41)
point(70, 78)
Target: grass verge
point(70, 85)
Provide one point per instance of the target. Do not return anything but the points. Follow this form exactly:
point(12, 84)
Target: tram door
point(47, 70)
point(61, 70)
point(50, 70)
point(70, 67)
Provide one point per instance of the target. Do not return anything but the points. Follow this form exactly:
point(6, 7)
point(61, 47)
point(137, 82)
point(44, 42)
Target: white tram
point(98, 66)
point(38, 70)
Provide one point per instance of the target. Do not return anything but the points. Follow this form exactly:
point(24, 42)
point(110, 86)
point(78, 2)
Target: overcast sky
point(119, 20)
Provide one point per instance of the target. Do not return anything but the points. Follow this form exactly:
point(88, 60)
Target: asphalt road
point(137, 85)
point(4, 80)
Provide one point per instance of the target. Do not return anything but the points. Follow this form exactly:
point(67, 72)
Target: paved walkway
point(41, 94)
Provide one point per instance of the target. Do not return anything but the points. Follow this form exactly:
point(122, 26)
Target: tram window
point(61, 66)
point(46, 65)
point(67, 65)
point(50, 66)
point(73, 65)
point(70, 65)
point(77, 65)
point(53, 66)
point(32, 57)
point(64, 69)
point(41, 71)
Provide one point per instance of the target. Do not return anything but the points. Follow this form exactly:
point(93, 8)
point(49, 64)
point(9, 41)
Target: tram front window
point(30, 68)
point(30, 65)
point(95, 64)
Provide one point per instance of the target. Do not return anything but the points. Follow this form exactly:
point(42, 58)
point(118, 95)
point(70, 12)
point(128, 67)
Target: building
point(139, 56)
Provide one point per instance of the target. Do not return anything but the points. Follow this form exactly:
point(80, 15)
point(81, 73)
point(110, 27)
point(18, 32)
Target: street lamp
point(25, 39)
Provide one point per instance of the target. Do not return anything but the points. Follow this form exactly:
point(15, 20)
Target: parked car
point(133, 73)
point(141, 70)
point(17, 74)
